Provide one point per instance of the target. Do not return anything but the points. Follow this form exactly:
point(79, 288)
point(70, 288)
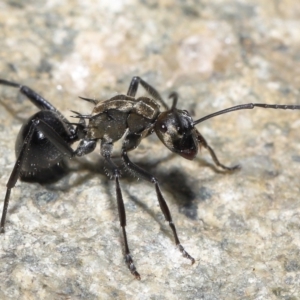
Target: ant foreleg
point(106, 149)
point(162, 202)
point(202, 142)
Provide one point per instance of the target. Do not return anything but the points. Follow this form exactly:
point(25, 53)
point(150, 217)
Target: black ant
point(44, 141)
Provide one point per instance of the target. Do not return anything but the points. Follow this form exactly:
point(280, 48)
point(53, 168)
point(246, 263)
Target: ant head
point(175, 128)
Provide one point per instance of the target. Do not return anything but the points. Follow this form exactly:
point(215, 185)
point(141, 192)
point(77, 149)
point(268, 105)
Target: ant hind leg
point(55, 139)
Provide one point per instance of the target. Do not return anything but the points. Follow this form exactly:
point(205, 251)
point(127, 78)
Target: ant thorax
point(111, 118)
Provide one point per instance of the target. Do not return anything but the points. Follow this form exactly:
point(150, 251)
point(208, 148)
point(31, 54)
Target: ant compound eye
point(180, 131)
point(163, 128)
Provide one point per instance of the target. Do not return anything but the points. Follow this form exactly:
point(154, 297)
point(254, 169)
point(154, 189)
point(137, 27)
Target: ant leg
point(85, 146)
point(133, 87)
point(15, 175)
point(53, 137)
point(36, 99)
point(162, 202)
point(202, 142)
point(106, 150)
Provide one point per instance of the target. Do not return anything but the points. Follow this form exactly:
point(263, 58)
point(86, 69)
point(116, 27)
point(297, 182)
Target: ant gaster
point(44, 141)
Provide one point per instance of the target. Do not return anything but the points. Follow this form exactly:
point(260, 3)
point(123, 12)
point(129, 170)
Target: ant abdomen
point(43, 163)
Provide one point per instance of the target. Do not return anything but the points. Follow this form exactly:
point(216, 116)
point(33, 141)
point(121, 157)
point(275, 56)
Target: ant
point(44, 142)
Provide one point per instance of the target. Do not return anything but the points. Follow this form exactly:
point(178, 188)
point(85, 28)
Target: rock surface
point(63, 241)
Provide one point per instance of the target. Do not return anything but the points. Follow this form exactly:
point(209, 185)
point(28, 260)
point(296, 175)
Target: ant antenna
point(174, 95)
point(246, 106)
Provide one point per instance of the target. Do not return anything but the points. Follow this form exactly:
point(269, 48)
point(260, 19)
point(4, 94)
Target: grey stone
point(63, 241)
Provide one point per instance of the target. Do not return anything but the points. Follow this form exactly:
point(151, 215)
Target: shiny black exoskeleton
point(44, 142)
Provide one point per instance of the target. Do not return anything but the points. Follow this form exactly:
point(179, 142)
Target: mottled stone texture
point(63, 241)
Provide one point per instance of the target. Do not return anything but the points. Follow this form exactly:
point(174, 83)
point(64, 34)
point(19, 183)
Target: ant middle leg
point(202, 142)
point(162, 202)
point(106, 149)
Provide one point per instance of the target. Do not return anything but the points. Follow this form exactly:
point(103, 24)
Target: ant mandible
point(44, 141)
